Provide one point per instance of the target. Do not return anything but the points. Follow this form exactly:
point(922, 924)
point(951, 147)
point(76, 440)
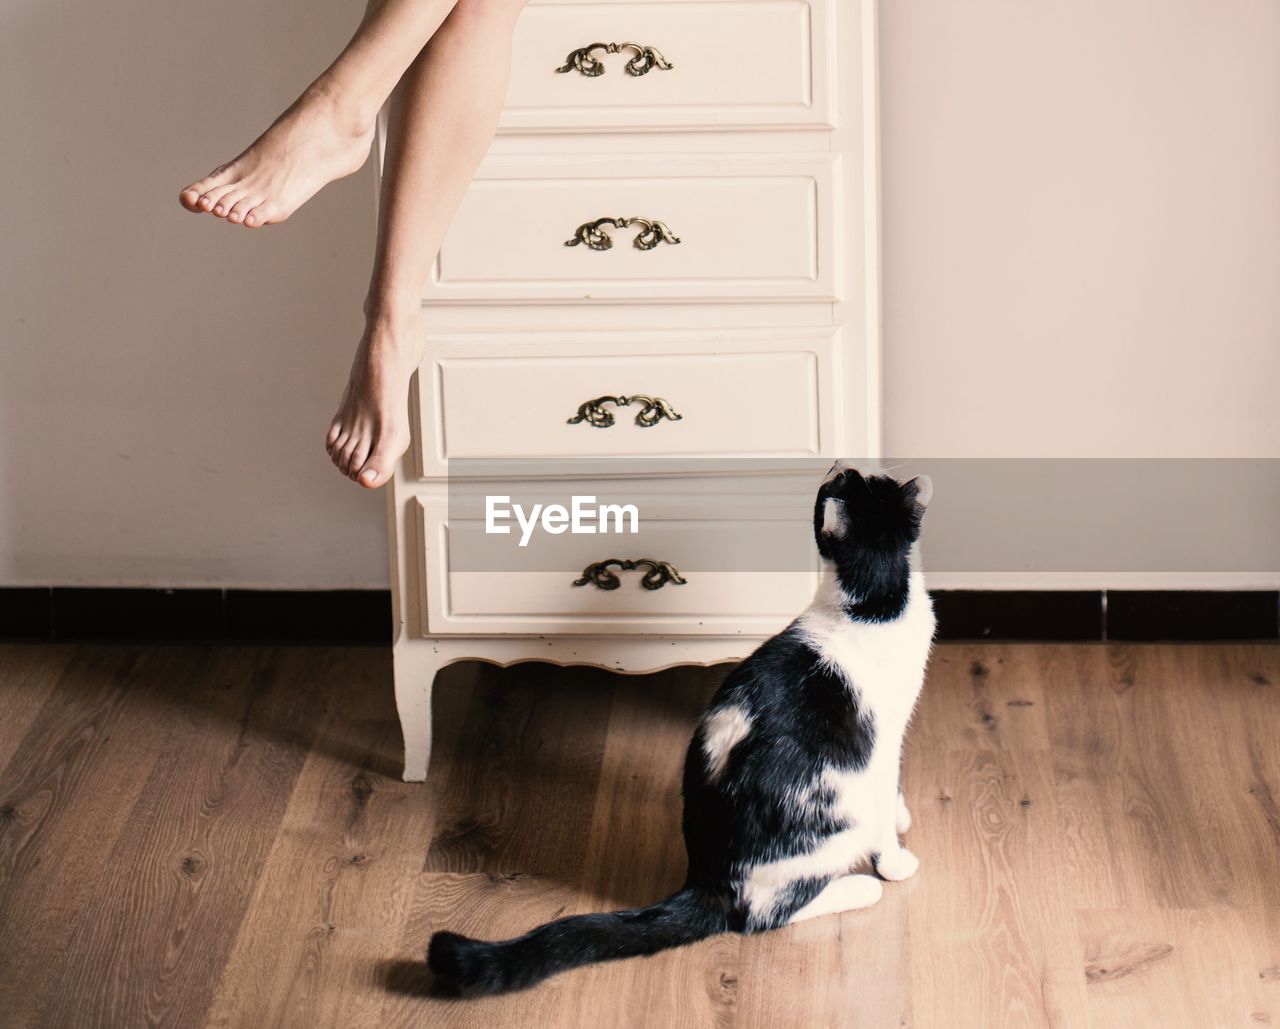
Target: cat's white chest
point(884, 662)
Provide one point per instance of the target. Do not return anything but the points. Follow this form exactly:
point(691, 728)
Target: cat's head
point(876, 517)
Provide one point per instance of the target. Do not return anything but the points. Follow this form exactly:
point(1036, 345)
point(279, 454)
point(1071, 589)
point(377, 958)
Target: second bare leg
point(442, 119)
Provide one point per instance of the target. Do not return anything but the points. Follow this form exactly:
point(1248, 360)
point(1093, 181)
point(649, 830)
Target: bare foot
point(314, 142)
point(371, 429)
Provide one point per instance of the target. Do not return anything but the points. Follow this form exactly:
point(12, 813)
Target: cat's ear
point(834, 522)
point(923, 489)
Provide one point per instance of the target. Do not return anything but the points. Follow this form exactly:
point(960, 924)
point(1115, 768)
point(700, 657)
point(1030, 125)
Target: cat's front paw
point(896, 865)
point(902, 817)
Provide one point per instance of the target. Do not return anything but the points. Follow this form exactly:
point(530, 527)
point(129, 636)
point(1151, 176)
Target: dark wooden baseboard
point(364, 616)
point(1121, 615)
point(301, 616)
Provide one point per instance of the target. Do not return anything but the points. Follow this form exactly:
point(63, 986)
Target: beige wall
point(1081, 244)
point(165, 381)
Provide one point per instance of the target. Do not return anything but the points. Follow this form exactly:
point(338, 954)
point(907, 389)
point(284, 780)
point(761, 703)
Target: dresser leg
point(417, 744)
point(415, 672)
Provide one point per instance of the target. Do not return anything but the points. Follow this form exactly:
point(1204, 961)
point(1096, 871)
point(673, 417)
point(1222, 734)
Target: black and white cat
point(791, 780)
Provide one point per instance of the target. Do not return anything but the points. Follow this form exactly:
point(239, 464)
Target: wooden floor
point(217, 836)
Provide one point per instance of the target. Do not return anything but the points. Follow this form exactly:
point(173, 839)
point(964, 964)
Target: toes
point(382, 462)
point(227, 201)
point(344, 456)
point(242, 207)
point(190, 197)
point(266, 213)
point(359, 454)
point(335, 430)
point(211, 199)
point(336, 447)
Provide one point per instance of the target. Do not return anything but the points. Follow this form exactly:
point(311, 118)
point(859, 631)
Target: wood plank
point(332, 891)
point(851, 969)
point(514, 781)
point(636, 856)
point(513, 740)
point(66, 795)
point(980, 696)
point(980, 782)
point(156, 933)
point(28, 677)
point(504, 906)
point(1262, 936)
point(1181, 830)
point(973, 934)
point(1173, 968)
point(1239, 764)
point(1092, 858)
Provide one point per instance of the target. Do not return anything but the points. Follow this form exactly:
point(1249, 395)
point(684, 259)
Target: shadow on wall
point(166, 380)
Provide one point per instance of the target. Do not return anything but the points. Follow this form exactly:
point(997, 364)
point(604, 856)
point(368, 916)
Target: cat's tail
point(474, 968)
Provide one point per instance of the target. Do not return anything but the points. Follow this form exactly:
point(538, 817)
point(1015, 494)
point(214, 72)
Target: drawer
point(678, 397)
point(730, 228)
point(732, 64)
point(724, 593)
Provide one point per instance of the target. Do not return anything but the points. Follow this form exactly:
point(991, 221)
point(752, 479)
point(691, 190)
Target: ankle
point(349, 111)
point(395, 316)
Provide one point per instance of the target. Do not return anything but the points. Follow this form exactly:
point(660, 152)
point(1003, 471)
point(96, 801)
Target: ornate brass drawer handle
point(646, 59)
point(659, 574)
point(651, 233)
point(594, 413)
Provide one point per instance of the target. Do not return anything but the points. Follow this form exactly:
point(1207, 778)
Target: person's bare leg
point(442, 119)
point(325, 134)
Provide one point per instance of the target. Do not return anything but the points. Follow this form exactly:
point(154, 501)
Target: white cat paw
point(896, 865)
point(861, 891)
point(848, 893)
point(902, 820)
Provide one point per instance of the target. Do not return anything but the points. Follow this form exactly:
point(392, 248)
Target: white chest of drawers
point(743, 159)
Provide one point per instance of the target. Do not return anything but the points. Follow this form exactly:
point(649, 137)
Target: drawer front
point(713, 64)
point(460, 599)
point(686, 396)
point(729, 229)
